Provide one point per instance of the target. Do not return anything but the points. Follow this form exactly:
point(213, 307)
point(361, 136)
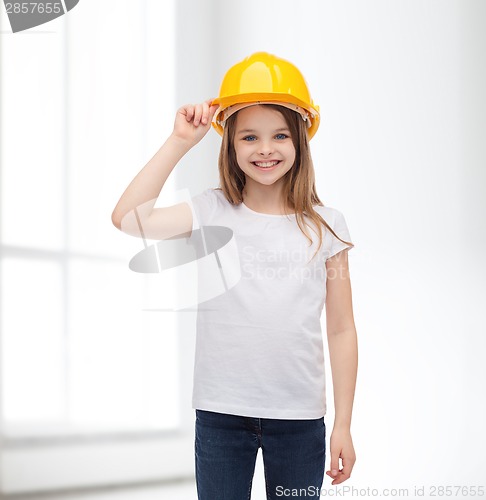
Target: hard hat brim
point(231, 104)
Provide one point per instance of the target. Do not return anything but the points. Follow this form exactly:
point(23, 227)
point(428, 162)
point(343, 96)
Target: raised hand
point(193, 121)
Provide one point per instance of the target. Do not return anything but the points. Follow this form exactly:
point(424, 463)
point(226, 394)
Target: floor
point(176, 491)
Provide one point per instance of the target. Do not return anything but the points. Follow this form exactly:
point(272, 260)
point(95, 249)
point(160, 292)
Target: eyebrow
point(246, 130)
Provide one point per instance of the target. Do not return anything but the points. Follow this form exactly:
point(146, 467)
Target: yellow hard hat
point(263, 78)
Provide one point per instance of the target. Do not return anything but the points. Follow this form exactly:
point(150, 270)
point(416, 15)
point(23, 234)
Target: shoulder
point(208, 195)
point(208, 192)
point(216, 197)
point(209, 202)
point(336, 221)
point(329, 214)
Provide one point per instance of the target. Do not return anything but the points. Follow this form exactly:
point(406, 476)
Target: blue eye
point(283, 136)
point(248, 137)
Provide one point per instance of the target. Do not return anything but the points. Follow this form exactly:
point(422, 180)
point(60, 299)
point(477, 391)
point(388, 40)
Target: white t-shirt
point(259, 346)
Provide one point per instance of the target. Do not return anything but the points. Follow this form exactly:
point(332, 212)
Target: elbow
point(130, 223)
point(341, 331)
point(116, 220)
point(127, 223)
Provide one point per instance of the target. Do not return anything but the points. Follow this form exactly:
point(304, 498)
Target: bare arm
point(136, 204)
point(144, 189)
point(343, 352)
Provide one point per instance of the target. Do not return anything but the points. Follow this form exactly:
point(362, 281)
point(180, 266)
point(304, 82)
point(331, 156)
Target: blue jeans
point(226, 447)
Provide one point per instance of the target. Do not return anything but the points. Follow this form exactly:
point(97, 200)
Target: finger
point(212, 110)
point(189, 112)
point(347, 467)
point(329, 473)
point(339, 478)
point(205, 113)
point(197, 114)
point(345, 473)
point(334, 463)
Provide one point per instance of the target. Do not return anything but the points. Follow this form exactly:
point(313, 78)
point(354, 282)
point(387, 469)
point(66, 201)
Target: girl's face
point(263, 145)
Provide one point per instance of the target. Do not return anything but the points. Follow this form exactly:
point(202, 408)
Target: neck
point(265, 199)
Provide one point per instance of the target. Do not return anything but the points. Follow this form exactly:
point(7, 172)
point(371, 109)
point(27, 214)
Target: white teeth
point(266, 164)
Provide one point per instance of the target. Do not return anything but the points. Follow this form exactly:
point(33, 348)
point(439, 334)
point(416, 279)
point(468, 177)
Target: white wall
point(401, 153)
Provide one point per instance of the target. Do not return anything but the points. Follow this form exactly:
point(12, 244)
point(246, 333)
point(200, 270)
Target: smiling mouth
point(266, 164)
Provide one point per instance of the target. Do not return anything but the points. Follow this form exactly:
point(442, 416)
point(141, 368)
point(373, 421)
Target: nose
point(266, 148)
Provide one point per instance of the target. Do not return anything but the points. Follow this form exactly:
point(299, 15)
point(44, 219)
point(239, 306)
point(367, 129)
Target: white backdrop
point(401, 152)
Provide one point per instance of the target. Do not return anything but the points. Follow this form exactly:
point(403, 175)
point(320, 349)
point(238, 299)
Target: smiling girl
point(259, 379)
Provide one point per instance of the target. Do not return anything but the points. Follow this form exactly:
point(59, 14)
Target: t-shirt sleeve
point(203, 206)
point(340, 227)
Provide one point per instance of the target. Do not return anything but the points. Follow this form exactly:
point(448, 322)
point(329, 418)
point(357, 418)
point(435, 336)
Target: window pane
point(106, 87)
point(82, 115)
point(123, 363)
point(121, 108)
point(32, 340)
point(33, 139)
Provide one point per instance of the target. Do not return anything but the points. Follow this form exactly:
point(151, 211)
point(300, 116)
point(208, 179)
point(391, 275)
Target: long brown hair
point(299, 191)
